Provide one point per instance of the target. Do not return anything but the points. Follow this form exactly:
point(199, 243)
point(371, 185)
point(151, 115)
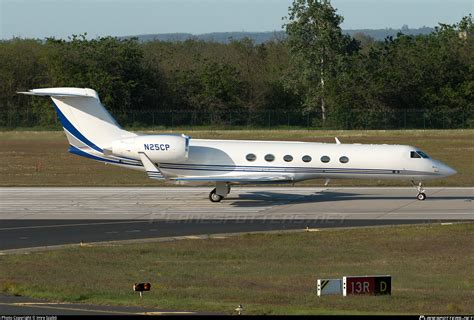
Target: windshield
point(422, 154)
point(418, 154)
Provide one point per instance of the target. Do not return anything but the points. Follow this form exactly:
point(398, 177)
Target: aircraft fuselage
point(304, 160)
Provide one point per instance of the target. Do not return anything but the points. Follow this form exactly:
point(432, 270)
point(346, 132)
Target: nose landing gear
point(421, 196)
point(421, 191)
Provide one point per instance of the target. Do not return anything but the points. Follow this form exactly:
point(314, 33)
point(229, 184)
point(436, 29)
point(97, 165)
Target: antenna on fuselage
point(337, 140)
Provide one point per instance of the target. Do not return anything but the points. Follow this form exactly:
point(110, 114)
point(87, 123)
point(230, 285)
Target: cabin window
point(325, 159)
point(269, 157)
point(251, 157)
point(413, 155)
point(306, 159)
point(288, 158)
point(343, 159)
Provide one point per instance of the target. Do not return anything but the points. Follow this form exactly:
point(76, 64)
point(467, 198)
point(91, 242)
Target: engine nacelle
point(159, 148)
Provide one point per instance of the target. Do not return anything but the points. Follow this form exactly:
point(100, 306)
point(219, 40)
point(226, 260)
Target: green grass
point(431, 266)
point(41, 158)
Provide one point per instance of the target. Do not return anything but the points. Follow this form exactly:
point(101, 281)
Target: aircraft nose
point(446, 171)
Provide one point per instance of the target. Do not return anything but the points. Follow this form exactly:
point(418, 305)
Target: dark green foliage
point(431, 76)
point(423, 81)
point(115, 68)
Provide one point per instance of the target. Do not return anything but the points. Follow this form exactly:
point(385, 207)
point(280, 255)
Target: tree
point(316, 43)
point(112, 66)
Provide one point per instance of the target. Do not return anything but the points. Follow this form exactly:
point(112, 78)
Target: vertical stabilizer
point(85, 120)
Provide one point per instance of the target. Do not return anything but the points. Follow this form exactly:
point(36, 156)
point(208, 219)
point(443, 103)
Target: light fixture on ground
point(239, 309)
point(141, 287)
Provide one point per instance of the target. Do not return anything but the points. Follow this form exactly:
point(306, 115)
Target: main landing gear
point(214, 197)
point(221, 191)
point(421, 191)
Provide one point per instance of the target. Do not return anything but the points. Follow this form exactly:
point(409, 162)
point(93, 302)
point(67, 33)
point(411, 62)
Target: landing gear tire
point(421, 196)
point(421, 191)
point(214, 197)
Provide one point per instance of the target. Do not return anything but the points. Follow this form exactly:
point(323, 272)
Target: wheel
point(421, 196)
point(214, 197)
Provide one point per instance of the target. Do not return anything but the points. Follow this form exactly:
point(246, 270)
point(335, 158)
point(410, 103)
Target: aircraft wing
point(239, 179)
point(151, 170)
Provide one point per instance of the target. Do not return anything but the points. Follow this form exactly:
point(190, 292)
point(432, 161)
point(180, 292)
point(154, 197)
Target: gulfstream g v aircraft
point(93, 133)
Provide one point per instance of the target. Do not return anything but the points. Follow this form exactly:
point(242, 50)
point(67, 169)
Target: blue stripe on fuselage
point(70, 127)
point(78, 135)
point(82, 153)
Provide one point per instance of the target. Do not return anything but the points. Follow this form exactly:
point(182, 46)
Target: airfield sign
point(367, 285)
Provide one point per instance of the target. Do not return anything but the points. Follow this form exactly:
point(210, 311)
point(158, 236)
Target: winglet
point(152, 171)
point(337, 140)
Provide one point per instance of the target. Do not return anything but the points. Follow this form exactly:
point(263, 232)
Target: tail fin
point(86, 122)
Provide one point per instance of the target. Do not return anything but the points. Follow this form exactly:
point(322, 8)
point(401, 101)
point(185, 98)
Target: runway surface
point(242, 203)
point(39, 217)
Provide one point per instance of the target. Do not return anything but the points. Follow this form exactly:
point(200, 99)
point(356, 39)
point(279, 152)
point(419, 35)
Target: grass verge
point(431, 266)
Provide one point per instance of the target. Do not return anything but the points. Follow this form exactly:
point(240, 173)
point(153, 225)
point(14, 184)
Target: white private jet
point(93, 133)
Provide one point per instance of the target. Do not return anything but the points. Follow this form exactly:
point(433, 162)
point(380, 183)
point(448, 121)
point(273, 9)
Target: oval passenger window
point(269, 157)
point(251, 157)
point(306, 159)
point(325, 159)
point(288, 158)
point(344, 159)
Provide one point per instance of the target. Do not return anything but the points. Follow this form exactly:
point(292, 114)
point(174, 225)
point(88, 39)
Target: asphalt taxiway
point(45, 217)
point(24, 306)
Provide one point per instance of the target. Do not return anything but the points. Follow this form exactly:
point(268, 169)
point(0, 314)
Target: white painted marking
point(57, 306)
point(70, 225)
point(162, 313)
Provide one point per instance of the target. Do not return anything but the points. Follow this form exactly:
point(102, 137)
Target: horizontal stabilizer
point(63, 92)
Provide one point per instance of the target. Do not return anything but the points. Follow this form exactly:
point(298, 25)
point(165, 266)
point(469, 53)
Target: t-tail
point(89, 127)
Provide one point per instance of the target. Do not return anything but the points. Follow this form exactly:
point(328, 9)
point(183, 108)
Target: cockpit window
point(422, 154)
point(418, 154)
point(413, 154)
